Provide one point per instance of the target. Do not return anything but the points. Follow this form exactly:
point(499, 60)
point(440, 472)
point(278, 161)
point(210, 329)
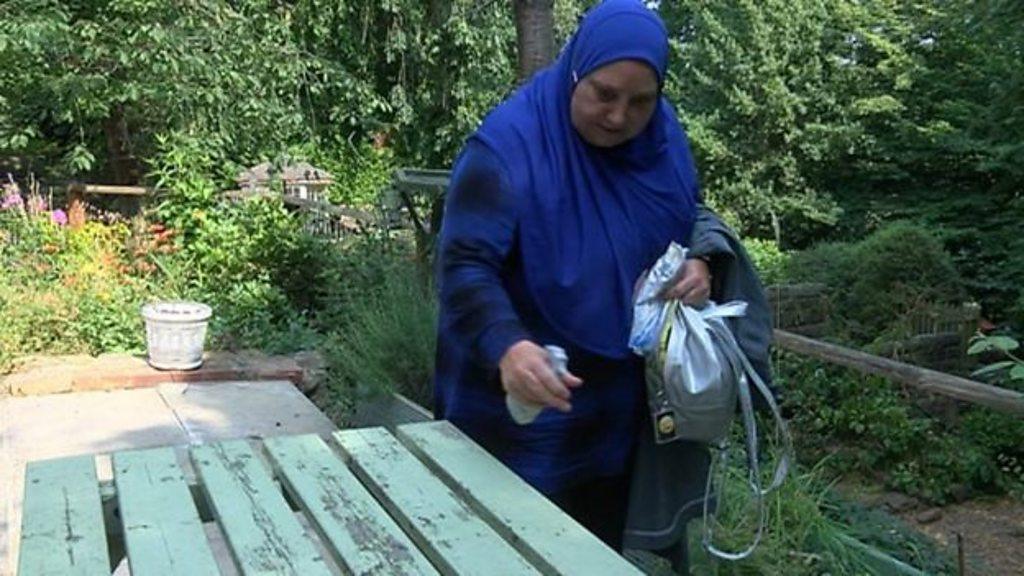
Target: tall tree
point(85, 86)
point(535, 35)
point(777, 96)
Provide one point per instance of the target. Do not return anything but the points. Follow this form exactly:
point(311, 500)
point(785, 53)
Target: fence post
point(76, 205)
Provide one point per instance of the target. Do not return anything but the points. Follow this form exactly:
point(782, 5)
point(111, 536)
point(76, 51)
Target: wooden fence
point(799, 308)
point(924, 379)
point(77, 193)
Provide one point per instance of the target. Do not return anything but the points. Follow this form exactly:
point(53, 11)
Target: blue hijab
point(592, 219)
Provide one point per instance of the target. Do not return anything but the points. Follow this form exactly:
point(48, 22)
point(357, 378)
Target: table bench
point(425, 500)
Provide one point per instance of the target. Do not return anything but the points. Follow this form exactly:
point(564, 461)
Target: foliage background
point(810, 119)
point(876, 146)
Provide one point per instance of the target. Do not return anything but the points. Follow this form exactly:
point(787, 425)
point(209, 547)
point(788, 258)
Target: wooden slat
point(62, 520)
point(455, 539)
point(1001, 399)
point(359, 532)
point(109, 189)
point(539, 529)
point(262, 532)
point(162, 530)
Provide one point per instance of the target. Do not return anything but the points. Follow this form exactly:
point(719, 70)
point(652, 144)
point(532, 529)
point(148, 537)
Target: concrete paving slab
point(172, 414)
point(210, 412)
point(58, 425)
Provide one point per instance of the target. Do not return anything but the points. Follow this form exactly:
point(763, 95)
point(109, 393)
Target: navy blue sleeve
point(477, 238)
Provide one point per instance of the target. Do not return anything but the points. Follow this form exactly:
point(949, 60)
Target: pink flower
point(12, 201)
point(59, 217)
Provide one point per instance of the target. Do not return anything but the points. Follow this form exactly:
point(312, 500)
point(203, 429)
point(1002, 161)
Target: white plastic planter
point(175, 333)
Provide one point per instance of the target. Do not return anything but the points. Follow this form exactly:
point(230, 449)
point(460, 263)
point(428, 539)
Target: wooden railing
point(1001, 399)
point(944, 320)
point(799, 308)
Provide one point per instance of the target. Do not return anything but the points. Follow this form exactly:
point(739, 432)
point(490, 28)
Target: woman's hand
point(527, 375)
point(694, 286)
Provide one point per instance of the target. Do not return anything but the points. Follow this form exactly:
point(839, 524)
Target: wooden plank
point(540, 530)
point(109, 189)
point(455, 539)
point(62, 520)
point(810, 330)
point(162, 530)
point(1000, 399)
point(359, 532)
point(108, 494)
point(262, 532)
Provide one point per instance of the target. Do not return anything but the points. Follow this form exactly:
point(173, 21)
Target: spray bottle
point(524, 413)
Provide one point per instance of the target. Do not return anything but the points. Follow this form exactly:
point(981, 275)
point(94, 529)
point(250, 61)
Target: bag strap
point(745, 374)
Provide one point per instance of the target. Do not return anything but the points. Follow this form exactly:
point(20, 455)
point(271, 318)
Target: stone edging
point(61, 374)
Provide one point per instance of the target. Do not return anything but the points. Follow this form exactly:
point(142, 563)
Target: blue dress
point(485, 308)
point(543, 238)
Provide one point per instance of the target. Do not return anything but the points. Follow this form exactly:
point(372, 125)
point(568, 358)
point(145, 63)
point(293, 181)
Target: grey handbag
point(695, 374)
point(690, 386)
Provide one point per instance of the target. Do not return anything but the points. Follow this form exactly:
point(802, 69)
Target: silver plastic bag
point(690, 382)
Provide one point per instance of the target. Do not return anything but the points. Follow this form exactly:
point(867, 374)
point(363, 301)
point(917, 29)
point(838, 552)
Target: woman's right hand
point(527, 375)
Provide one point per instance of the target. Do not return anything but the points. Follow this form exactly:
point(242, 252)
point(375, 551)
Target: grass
point(810, 530)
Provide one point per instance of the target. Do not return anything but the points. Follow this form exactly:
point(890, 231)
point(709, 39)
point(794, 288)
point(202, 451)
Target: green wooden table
point(426, 500)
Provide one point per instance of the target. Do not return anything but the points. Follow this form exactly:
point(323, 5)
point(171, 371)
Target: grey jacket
point(667, 488)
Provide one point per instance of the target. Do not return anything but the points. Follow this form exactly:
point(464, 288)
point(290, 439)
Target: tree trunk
point(438, 12)
point(123, 166)
point(535, 35)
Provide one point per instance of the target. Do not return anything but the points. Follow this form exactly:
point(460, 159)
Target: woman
point(566, 193)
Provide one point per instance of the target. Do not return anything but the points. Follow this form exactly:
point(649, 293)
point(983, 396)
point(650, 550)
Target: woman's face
point(614, 103)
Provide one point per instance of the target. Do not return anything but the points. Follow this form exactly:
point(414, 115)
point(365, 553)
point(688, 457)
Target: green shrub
point(271, 284)
point(875, 283)
point(67, 291)
point(386, 339)
point(187, 172)
point(1007, 369)
point(831, 263)
point(249, 259)
point(768, 259)
point(360, 171)
point(872, 431)
point(360, 268)
point(1018, 312)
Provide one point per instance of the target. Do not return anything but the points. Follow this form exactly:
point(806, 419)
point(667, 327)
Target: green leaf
point(979, 345)
point(1017, 372)
point(993, 368)
point(1004, 343)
